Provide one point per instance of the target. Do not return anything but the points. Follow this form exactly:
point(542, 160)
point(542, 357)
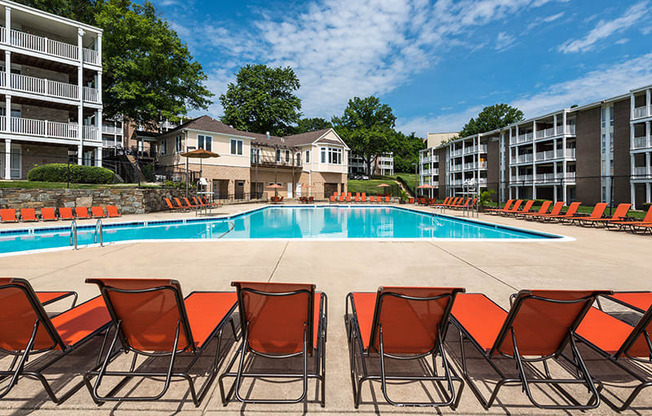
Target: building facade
point(599, 152)
point(382, 165)
point(308, 164)
point(50, 83)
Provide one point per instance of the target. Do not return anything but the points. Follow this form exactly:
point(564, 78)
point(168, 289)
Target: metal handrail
point(73, 234)
point(229, 230)
point(99, 229)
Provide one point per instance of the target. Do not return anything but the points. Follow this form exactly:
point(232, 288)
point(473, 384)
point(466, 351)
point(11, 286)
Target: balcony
point(48, 46)
point(470, 166)
point(525, 158)
point(568, 153)
point(470, 149)
point(274, 163)
point(521, 178)
point(641, 112)
point(45, 128)
point(48, 87)
point(640, 172)
point(434, 171)
point(435, 158)
point(112, 130)
point(639, 142)
point(111, 144)
point(455, 153)
point(425, 172)
point(522, 138)
point(456, 168)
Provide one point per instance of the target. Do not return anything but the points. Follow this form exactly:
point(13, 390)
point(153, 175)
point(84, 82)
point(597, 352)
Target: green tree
point(491, 118)
point(262, 100)
point(367, 127)
point(406, 151)
point(311, 124)
point(148, 72)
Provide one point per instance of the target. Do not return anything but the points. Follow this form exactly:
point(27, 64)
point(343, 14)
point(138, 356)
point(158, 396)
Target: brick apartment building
point(308, 164)
point(50, 90)
point(599, 152)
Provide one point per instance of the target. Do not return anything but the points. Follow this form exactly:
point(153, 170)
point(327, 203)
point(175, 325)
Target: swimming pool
point(275, 222)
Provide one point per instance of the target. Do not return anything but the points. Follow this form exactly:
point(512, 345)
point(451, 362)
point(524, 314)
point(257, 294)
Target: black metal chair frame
point(639, 330)
point(18, 368)
point(101, 370)
point(318, 354)
point(582, 375)
point(356, 345)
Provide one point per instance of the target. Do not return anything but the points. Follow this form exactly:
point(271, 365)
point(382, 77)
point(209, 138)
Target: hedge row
point(58, 172)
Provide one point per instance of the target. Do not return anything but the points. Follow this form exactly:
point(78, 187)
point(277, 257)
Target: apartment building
point(112, 136)
point(50, 88)
point(308, 164)
point(599, 152)
point(382, 165)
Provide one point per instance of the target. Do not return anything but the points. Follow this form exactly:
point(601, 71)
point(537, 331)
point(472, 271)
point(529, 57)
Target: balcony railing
point(640, 112)
point(47, 87)
point(273, 162)
point(111, 130)
point(48, 46)
point(570, 153)
point(46, 128)
point(456, 168)
point(522, 178)
point(640, 142)
point(455, 153)
point(528, 157)
point(640, 171)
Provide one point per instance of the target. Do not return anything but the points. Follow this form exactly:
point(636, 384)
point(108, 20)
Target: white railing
point(90, 133)
point(457, 182)
point(525, 137)
point(640, 112)
point(435, 158)
point(470, 149)
point(640, 142)
point(434, 183)
point(545, 133)
point(570, 129)
point(44, 86)
point(640, 171)
point(522, 178)
point(483, 165)
point(49, 46)
point(570, 152)
point(482, 148)
point(111, 130)
point(470, 166)
point(522, 158)
point(91, 95)
point(548, 154)
point(426, 159)
point(482, 181)
point(570, 176)
point(3, 79)
point(91, 56)
point(3, 123)
point(456, 168)
point(546, 177)
point(43, 128)
point(456, 152)
point(434, 171)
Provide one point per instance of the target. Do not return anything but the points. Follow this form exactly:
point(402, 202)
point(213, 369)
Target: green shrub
point(61, 172)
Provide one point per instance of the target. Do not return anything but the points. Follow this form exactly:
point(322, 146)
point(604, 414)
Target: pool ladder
point(98, 231)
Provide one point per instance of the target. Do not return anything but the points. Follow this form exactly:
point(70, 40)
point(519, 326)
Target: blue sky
point(436, 63)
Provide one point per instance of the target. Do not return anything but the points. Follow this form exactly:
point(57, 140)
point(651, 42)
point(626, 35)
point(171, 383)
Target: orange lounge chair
point(48, 214)
point(332, 199)
point(169, 204)
point(212, 204)
point(372, 198)
point(514, 208)
point(570, 213)
point(556, 210)
point(28, 214)
point(189, 204)
point(98, 212)
point(65, 213)
point(597, 212)
point(542, 210)
point(387, 199)
point(447, 201)
point(348, 198)
point(27, 331)
point(624, 345)
point(311, 200)
point(507, 206)
point(81, 213)
point(539, 325)
point(643, 225)
point(514, 211)
point(8, 215)
point(180, 204)
point(461, 204)
point(150, 317)
point(619, 215)
point(411, 201)
point(357, 197)
point(280, 321)
point(404, 323)
point(364, 197)
point(112, 211)
point(342, 196)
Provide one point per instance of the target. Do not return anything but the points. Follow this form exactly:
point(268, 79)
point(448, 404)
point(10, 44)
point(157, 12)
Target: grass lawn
point(370, 187)
point(60, 185)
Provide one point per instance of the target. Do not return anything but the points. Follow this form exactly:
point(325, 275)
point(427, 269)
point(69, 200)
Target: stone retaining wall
point(128, 200)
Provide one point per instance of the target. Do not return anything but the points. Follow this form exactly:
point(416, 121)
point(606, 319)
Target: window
point(307, 156)
point(164, 147)
point(205, 142)
point(287, 156)
point(334, 156)
point(323, 155)
point(278, 155)
point(178, 144)
point(236, 147)
point(255, 155)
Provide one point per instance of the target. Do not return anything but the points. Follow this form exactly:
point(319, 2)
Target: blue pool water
point(323, 222)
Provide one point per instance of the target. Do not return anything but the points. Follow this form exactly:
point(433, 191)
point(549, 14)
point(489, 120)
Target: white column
point(554, 121)
point(647, 163)
point(80, 86)
point(648, 193)
point(534, 160)
point(632, 105)
point(648, 101)
point(632, 195)
point(98, 156)
point(8, 26)
point(631, 136)
point(7, 159)
point(98, 118)
point(648, 134)
point(564, 121)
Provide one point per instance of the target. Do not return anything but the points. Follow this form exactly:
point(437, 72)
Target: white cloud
point(604, 29)
point(504, 41)
point(342, 48)
point(595, 85)
point(547, 19)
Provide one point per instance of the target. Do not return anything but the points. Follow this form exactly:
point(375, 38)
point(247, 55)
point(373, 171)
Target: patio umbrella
point(275, 187)
point(382, 185)
point(200, 154)
point(425, 186)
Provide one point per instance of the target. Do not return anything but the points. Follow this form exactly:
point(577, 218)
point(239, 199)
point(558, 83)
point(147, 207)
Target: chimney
point(267, 135)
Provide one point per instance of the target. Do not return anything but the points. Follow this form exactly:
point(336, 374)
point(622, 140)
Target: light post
point(71, 153)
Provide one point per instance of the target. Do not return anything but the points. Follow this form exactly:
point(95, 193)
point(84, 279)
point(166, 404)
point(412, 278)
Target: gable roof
point(207, 123)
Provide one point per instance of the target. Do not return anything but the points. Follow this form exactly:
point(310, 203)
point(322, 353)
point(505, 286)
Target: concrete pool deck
point(597, 259)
